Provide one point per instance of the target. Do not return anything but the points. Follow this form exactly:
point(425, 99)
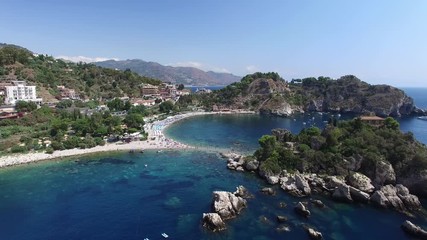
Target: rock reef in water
point(226, 205)
point(414, 230)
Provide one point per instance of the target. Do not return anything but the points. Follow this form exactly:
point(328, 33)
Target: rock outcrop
point(295, 184)
point(342, 193)
point(361, 182)
point(213, 222)
point(384, 174)
point(397, 198)
point(242, 192)
point(226, 205)
point(414, 230)
point(416, 183)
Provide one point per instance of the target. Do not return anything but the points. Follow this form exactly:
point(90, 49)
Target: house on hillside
point(148, 90)
point(144, 102)
point(20, 91)
point(373, 120)
point(67, 93)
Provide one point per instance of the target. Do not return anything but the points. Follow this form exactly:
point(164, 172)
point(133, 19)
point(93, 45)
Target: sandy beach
point(156, 140)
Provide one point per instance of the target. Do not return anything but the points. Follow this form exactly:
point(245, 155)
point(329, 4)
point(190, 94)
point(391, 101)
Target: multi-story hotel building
point(19, 91)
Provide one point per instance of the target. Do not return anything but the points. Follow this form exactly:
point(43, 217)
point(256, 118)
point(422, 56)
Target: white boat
point(422, 118)
point(165, 235)
point(146, 239)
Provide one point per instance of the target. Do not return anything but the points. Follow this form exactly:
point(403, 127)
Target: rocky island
point(350, 161)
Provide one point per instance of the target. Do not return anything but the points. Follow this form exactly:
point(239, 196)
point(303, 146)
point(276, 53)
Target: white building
point(19, 91)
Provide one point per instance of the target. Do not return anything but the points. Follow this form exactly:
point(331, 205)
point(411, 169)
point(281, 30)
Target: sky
point(381, 41)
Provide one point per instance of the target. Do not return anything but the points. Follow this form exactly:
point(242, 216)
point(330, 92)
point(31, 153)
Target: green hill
point(89, 81)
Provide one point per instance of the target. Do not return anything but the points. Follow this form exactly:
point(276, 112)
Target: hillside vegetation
point(88, 80)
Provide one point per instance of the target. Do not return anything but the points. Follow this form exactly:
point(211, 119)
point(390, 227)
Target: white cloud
point(204, 67)
point(252, 69)
point(85, 59)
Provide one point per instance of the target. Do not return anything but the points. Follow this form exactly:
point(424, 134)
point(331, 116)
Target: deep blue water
point(116, 197)
point(419, 95)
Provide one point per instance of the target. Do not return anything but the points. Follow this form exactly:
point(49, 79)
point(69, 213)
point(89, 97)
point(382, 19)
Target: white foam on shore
point(155, 130)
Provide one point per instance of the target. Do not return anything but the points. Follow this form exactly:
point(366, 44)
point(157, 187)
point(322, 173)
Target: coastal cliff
point(349, 94)
point(268, 93)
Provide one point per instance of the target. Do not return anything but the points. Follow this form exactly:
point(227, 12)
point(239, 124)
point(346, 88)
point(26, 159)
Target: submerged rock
point(318, 203)
point(268, 191)
point(213, 221)
point(281, 219)
point(241, 191)
point(414, 230)
point(283, 228)
point(314, 234)
point(301, 209)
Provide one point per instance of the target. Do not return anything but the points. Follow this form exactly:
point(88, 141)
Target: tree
point(64, 104)
point(23, 106)
point(391, 123)
point(180, 87)
point(268, 144)
point(134, 120)
point(166, 107)
point(116, 105)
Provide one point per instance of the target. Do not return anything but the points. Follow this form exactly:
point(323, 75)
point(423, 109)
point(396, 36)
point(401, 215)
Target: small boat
point(131, 151)
point(142, 151)
point(146, 239)
point(159, 151)
point(422, 118)
point(165, 235)
point(145, 165)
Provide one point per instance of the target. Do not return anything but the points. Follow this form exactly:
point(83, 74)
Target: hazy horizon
point(381, 42)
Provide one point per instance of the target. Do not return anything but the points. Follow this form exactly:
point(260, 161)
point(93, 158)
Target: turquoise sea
point(134, 196)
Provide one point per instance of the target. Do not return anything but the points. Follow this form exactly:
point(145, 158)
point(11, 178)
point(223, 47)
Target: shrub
point(57, 145)
point(99, 141)
point(18, 149)
point(49, 150)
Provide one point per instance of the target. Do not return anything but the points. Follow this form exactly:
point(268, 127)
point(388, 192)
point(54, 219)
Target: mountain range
point(178, 75)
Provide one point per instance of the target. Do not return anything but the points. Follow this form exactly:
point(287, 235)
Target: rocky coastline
point(355, 187)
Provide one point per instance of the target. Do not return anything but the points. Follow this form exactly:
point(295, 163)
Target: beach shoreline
point(156, 141)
